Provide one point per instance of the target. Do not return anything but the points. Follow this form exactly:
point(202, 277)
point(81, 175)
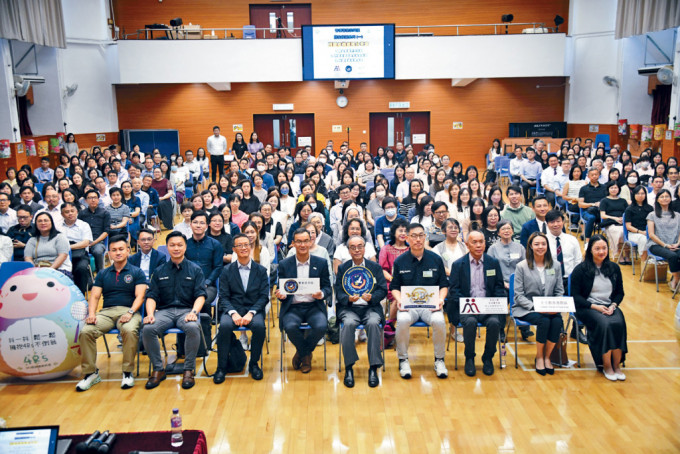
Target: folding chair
point(572, 316)
point(163, 249)
point(360, 327)
point(188, 192)
point(303, 327)
point(627, 241)
point(539, 188)
point(573, 213)
point(203, 341)
point(116, 331)
point(388, 173)
point(656, 261)
point(502, 164)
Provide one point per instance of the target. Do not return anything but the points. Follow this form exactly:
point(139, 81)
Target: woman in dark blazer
point(539, 275)
point(597, 288)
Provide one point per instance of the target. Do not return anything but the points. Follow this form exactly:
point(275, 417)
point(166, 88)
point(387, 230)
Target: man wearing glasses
point(8, 217)
point(99, 221)
point(435, 234)
point(244, 294)
point(147, 258)
point(21, 232)
point(420, 267)
point(304, 308)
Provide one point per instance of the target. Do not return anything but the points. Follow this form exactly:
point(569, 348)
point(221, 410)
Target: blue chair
point(370, 184)
point(359, 327)
point(539, 188)
point(39, 188)
point(577, 323)
point(388, 173)
point(656, 261)
point(249, 32)
point(303, 327)
point(627, 241)
point(602, 138)
point(188, 192)
point(502, 165)
point(570, 213)
point(163, 249)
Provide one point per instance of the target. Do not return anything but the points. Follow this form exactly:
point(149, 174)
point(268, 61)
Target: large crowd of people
point(251, 216)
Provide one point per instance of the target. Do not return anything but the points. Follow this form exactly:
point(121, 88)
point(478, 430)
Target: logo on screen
point(336, 69)
point(348, 69)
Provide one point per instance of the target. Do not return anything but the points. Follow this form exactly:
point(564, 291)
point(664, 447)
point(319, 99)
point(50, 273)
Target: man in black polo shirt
point(99, 220)
point(420, 267)
point(589, 197)
point(123, 287)
point(205, 252)
point(175, 298)
point(21, 233)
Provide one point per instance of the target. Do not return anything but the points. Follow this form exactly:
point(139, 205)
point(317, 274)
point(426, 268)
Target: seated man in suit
point(362, 309)
point(147, 258)
point(419, 266)
point(177, 290)
point(123, 287)
point(476, 274)
point(541, 208)
point(298, 309)
point(244, 294)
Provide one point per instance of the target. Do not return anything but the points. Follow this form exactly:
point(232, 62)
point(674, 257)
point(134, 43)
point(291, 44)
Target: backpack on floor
point(236, 360)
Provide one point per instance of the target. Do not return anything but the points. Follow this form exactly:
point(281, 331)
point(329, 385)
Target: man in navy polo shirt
point(123, 287)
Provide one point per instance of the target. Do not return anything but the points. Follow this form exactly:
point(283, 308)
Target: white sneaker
point(620, 376)
point(362, 335)
point(128, 382)
point(404, 369)
point(440, 368)
point(244, 341)
point(321, 341)
point(457, 336)
point(88, 382)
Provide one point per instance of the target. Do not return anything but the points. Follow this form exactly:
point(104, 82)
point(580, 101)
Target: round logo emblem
point(420, 296)
point(290, 286)
point(348, 68)
point(128, 278)
point(358, 280)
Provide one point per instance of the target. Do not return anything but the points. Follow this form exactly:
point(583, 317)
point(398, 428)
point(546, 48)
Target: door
point(285, 130)
point(287, 17)
point(388, 128)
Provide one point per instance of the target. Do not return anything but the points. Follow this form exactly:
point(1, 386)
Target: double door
point(280, 20)
point(285, 130)
point(409, 128)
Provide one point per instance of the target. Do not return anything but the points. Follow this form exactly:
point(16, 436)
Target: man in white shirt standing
point(516, 165)
point(549, 179)
point(217, 146)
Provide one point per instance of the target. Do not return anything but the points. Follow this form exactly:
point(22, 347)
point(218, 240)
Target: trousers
point(352, 318)
point(166, 319)
point(435, 319)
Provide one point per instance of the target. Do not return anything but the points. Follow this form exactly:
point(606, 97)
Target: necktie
point(543, 230)
point(560, 256)
point(554, 171)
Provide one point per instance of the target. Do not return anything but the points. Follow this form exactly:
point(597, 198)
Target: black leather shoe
point(487, 367)
point(219, 377)
point(581, 336)
point(373, 379)
point(539, 371)
point(188, 381)
point(526, 334)
point(470, 370)
point(255, 372)
point(349, 378)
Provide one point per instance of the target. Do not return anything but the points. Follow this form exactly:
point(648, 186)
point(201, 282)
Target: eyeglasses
point(441, 212)
point(420, 236)
point(356, 248)
point(241, 246)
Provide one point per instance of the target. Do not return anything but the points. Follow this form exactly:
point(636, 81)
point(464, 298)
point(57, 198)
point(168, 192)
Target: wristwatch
point(131, 312)
point(193, 311)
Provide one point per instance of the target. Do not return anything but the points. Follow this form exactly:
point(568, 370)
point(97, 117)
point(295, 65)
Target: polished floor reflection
point(515, 410)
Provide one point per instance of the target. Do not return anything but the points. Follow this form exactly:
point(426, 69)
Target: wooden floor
point(515, 410)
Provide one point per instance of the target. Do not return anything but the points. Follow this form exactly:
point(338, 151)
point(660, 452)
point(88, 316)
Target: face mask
point(435, 160)
point(446, 185)
point(282, 166)
point(390, 212)
point(632, 180)
point(173, 168)
point(313, 205)
point(380, 194)
point(261, 168)
point(322, 160)
point(284, 191)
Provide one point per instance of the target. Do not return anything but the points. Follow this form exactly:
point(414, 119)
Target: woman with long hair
point(612, 208)
point(410, 201)
point(259, 252)
point(663, 225)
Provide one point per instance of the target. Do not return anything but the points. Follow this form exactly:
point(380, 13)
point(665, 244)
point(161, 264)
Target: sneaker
point(128, 381)
point(457, 336)
point(362, 335)
point(321, 341)
point(88, 382)
point(404, 369)
point(244, 341)
point(440, 368)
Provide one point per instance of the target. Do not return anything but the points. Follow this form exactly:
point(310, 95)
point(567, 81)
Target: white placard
point(400, 105)
point(554, 304)
point(336, 128)
point(304, 141)
point(476, 306)
point(304, 286)
point(418, 139)
point(283, 106)
point(420, 296)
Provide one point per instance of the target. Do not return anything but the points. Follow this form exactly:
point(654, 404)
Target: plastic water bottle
point(176, 438)
point(503, 354)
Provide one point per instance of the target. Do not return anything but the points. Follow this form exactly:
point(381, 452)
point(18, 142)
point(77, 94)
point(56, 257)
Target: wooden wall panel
point(485, 107)
point(134, 14)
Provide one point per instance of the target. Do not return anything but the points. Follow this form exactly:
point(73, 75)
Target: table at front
point(194, 442)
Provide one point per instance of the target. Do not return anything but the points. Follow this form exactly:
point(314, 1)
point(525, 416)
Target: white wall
point(9, 119)
point(45, 115)
point(636, 104)
point(440, 57)
point(86, 19)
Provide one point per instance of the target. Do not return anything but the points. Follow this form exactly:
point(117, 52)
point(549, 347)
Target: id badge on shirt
point(427, 274)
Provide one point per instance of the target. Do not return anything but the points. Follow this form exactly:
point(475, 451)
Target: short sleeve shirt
point(118, 287)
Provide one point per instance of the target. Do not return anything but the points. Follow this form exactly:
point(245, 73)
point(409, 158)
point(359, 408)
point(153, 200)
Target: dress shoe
point(219, 377)
point(620, 376)
point(188, 379)
point(255, 371)
point(373, 379)
point(526, 334)
point(349, 377)
point(296, 361)
point(539, 371)
point(549, 370)
point(306, 364)
point(156, 378)
point(610, 377)
point(470, 369)
point(582, 338)
point(487, 367)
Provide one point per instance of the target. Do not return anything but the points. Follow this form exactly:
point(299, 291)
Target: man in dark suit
point(364, 308)
point(297, 309)
point(147, 258)
point(541, 208)
point(244, 294)
point(476, 274)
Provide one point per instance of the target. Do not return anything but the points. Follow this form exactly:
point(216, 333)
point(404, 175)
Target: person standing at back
point(217, 146)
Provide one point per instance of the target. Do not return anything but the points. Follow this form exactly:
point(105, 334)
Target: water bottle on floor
point(503, 355)
point(176, 438)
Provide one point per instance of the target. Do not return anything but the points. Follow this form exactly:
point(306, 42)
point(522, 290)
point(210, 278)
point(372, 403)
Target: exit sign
point(400, 105)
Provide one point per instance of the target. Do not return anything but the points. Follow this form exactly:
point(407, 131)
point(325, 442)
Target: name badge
point(514, 256)
point(427, 273)
point(490, 273)
point(386, 230)
point(550, 272)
